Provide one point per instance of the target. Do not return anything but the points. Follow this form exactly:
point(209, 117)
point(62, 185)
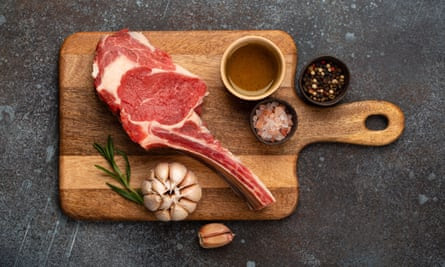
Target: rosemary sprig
point(108, 152)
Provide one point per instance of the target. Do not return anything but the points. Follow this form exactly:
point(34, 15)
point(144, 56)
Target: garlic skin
point(214, 235)
point(171, 191)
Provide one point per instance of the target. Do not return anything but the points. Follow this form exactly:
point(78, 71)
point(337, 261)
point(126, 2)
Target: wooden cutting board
point(84, 119)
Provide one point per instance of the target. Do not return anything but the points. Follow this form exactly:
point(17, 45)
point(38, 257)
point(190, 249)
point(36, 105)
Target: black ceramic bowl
point(289, 110)
point(339, 92)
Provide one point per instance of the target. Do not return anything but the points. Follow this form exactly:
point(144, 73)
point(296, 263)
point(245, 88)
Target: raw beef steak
point(156, 101)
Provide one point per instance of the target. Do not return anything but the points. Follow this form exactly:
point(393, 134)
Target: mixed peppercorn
point(323, 81)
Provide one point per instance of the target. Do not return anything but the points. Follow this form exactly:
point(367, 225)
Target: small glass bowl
point(342, 91)
point(289, 109)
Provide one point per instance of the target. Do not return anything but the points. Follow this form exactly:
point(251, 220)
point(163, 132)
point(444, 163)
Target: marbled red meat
point(158, 104)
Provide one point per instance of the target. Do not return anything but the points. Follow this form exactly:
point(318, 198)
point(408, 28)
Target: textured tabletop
point(375, 206)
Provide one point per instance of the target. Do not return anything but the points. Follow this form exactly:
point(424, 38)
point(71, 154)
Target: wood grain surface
point(84, 119)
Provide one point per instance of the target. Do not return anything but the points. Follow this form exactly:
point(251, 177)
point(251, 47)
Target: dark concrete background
point(358, 205)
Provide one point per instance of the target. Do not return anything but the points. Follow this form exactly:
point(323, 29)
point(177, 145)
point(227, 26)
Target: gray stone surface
point(358, 205)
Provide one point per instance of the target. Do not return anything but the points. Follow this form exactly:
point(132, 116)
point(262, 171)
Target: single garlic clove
point(192, 192)
point(189, 179)
point(158, 186)
point(215, 235)
point(177, 173)
point(152, 202)
point(178, 213)
point(212, 229)
point(216, 241)
point(163, 215)
point(161, 171)
point(188, 205)
point(146, 187)
point(166, 202)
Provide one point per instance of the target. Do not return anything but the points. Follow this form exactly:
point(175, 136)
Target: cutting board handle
point(347, 123)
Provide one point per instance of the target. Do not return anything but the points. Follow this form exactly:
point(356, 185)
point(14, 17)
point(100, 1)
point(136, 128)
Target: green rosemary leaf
point(118, 172)
point(139, 191)
point(138, 194)
point(99, 149)
point(127, 165)
point(125, 194)
point(110, 157)
point(110, 147)
point(114, 176)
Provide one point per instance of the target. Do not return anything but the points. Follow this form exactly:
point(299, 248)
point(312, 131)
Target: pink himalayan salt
point(271, 121)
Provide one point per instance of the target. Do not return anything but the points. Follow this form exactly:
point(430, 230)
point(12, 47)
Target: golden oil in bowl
point(252, 69)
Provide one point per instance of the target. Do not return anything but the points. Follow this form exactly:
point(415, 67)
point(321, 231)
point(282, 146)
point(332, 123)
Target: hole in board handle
point(376, 122)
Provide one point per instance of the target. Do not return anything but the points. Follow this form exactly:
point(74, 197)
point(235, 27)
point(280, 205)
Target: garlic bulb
point(171, 191)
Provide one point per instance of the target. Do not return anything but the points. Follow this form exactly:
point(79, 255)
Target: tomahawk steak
point(157, 100)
